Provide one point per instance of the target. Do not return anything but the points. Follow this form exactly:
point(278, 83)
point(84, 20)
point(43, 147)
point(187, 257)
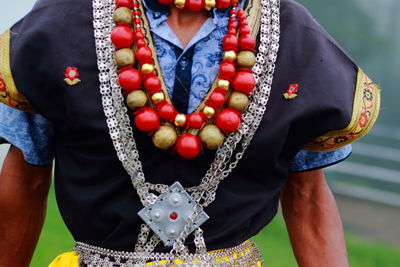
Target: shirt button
point(184, 63)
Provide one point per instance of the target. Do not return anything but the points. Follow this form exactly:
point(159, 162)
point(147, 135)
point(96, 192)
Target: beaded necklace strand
point(154, 114)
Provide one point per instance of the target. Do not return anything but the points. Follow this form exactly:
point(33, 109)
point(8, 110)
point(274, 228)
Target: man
point(332, 105)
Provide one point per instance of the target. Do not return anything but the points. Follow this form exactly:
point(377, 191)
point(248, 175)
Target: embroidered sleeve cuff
point(365, 112)
point(9, 94)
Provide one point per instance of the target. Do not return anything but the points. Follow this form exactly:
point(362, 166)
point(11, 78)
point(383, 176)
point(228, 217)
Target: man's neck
point(185, 24)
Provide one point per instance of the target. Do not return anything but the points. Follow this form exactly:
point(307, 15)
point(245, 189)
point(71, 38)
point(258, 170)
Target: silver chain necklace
point(226, 159)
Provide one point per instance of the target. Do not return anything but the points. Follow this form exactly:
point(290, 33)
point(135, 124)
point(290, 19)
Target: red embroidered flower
point(292, 89)
point(2, 84)
point(71, 73)
point(71, 76)
point(290, 93)
point(363, 120)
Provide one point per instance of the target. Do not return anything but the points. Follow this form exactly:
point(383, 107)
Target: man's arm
point(23, 198)
point(313, 221)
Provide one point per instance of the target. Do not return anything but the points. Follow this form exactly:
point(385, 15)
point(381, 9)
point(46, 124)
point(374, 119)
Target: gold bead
point(165, 137)
point(209, 112)
point(224, 84)
point(147, 68)
point(210, 4)
point(180, 120)
point(136, 99)
point(229, 55)
point(246, 59)
point(124, 57)
point(238, 101)
point(179, 3)
point(211, 136)
point(157, 97)
point(123, 15)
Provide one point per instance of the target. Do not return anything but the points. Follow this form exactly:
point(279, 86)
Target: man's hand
point(23, 198)
point(313, 221)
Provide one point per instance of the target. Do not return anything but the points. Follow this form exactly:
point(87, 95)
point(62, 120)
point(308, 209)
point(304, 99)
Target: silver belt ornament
point(243, 255)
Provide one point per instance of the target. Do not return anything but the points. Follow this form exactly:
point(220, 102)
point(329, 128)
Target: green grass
point(273, 241)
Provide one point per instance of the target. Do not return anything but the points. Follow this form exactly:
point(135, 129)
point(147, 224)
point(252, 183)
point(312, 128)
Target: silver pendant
point(171, 212)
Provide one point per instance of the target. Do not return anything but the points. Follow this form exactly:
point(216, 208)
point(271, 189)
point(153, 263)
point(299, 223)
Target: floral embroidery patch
point(292, 91)
point(71, 76)
point(365, 112)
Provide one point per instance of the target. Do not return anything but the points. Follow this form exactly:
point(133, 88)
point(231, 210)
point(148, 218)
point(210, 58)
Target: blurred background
point(366, 186)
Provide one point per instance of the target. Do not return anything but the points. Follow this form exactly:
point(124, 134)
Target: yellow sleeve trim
point(9, 94)
point(365, 112)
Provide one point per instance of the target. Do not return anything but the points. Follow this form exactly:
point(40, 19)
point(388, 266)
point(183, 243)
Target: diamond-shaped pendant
point(168, 216)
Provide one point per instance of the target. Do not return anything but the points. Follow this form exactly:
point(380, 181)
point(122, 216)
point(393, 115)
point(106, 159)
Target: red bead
point(227, 69)
point(233, 25)
point(144, 55)
point(244, 82)
point(137, 21)
point(188, 146)
point(247, 42)
point(139, 35)
point(147, 119)
point(136, 12)
point(173, 216)
point(140, 43)
point(195, 120)
point(123, 3)
point(228, 120)
point(152, 84)
point(244, 29)
point(240, 12)
point(223, 4)
point(232, 31)
point(130, 79)
point(135, 4)
point(164, 2)
point(230, 42)
point(243, 21)
point(194, 5)
point(216, 99)
point(167, 111)
point(122, 36)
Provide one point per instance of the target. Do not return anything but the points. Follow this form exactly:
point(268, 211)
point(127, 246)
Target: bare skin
point(23, 198)
point(313, 221)
point(185, 24)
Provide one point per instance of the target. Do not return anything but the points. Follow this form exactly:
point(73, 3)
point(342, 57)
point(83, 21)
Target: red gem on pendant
point(173, 216)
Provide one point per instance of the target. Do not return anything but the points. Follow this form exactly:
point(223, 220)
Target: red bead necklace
point(198, 5)
point(154, 114)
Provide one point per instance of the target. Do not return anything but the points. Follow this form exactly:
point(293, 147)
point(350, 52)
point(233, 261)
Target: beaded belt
point(243, 255)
